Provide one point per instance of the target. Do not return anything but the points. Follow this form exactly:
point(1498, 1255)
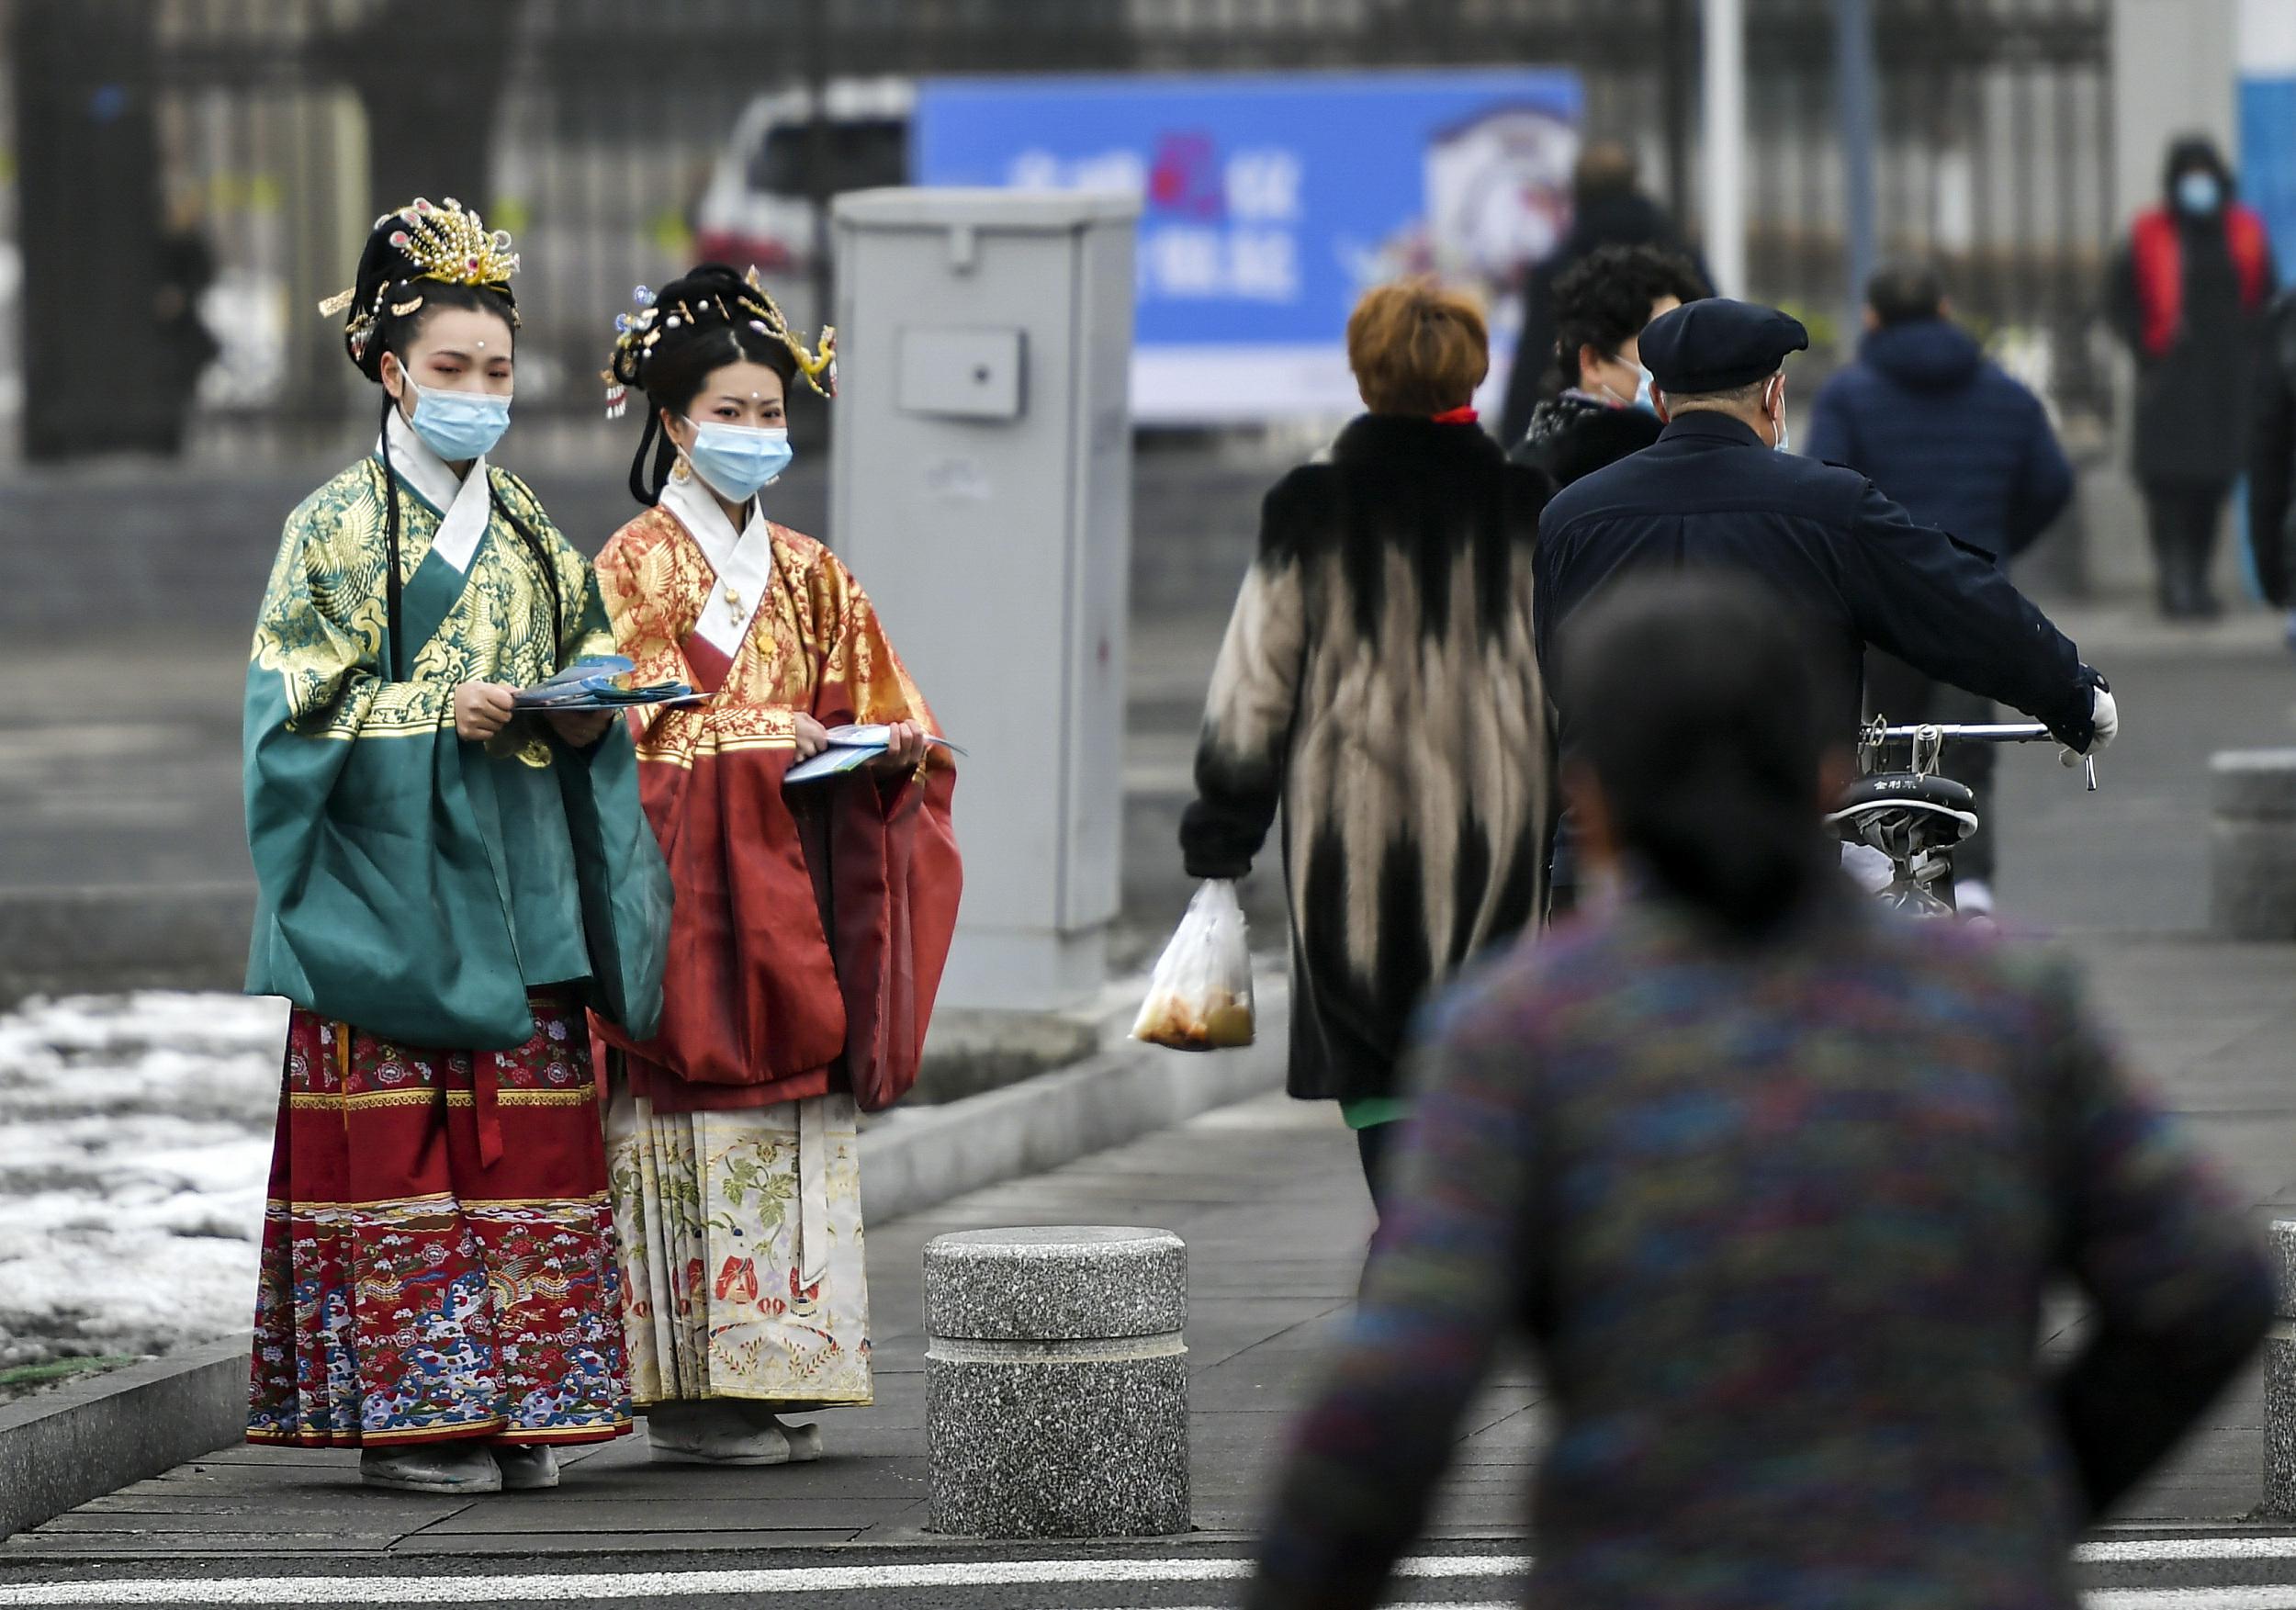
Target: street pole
point(1725, 47)
point(1853, 83)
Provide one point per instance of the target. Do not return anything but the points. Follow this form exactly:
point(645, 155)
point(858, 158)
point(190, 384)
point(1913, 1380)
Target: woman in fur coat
point(1378, 682)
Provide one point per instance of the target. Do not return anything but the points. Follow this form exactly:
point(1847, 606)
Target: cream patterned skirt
point(740, 1249)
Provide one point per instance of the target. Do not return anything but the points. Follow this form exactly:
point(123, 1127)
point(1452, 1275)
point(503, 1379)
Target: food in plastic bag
point(1200, 998)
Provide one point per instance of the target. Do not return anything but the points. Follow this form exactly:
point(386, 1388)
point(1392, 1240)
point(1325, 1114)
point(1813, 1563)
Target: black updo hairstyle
point(701, 323)
point(390, 280)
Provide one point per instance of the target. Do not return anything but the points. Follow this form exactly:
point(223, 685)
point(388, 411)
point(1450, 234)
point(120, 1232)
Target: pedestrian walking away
point(1379, 685)
point(1604, 409)
point(445, 884)
point(2189, 293)
point(813, 917)
point(1773, 1184)
point(1608, 207)
point(2272, 464)
point(1961, 447)
point(1718, 491)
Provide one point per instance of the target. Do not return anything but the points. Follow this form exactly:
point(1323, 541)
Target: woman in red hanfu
point(811, 921)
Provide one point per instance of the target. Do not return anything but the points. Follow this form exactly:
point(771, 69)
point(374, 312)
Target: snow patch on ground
point(137, 1142)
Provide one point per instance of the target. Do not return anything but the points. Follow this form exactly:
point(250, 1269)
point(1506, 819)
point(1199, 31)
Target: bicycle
point(1914, 816)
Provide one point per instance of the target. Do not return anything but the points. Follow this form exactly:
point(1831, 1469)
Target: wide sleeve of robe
point(811, 925)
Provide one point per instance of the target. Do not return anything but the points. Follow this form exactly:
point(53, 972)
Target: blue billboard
point(1271, 203)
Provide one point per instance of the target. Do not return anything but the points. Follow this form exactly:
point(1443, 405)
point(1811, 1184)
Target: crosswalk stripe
point(523, 1589)
point(887, 1578)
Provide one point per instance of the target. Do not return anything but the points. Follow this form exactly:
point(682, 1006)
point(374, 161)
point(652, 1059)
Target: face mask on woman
point(458, 425)
point(2198, 193)
point(737, 460)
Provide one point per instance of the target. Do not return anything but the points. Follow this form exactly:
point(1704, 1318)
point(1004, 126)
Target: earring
point(678, 471)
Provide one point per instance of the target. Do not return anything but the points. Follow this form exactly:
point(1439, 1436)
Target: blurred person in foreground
point(1773, 1184)
point(2189, 294)
point(1608, 209)
point(1380, 687)
point(1606, 409)
point(1960, 446)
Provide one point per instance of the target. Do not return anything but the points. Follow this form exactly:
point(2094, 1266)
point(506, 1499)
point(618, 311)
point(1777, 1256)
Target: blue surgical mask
point(2198, 193)
point(459, 425)
point(736, 460)
point(1784, 443)
point(1642, 398)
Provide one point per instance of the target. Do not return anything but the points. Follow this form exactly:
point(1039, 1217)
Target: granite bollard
point(1056, 1382)
point(2279, 1384)
point(2252, 844)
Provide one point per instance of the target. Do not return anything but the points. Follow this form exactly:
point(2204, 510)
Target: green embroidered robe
point(413, 883)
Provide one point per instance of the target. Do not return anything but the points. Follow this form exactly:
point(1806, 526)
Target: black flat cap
point(1717, 345)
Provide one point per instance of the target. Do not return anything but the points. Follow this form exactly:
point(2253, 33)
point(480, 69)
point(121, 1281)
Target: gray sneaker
point(713, 1432)
point(525, 1467)
point(455, 1467)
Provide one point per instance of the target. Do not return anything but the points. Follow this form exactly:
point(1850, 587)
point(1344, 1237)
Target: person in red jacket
point(2189, 293)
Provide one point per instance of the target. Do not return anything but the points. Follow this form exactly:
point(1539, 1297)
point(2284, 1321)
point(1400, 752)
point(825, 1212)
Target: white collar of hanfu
point(462, 503)
point(742, 560)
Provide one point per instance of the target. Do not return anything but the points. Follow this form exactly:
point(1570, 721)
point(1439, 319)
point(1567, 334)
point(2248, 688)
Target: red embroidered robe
point(810, 926)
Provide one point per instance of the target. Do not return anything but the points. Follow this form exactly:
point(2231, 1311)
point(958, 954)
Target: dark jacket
point(1379, 685)
point(1778, 1221)
point(1946, 435)
point(2192, 399)
point(2272, 460)
point(1573, 435)
point(1855, 566)
point(1625, 217)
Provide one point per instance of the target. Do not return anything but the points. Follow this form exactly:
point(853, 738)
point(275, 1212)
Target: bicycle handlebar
point(1990, 732)
point(1937, 735)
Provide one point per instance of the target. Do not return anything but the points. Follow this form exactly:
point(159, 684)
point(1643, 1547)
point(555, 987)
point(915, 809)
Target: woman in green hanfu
point(446, 883)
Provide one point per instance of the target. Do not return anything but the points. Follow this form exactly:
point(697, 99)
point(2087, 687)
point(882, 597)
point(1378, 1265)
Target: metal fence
point(276, 129)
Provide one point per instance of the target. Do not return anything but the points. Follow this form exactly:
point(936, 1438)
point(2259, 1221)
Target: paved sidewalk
point(1268, 1197)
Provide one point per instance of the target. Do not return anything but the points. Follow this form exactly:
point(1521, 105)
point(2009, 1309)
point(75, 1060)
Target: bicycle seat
point(1897, 788)
point(1912, 812)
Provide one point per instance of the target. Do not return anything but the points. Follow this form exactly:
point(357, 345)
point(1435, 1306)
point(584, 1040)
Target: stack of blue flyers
point(850, 749)
point(601, 683)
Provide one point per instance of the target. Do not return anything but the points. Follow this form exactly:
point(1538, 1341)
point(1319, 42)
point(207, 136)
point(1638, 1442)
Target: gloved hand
point(2104, 717)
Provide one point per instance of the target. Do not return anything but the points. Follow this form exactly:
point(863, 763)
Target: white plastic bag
point(1200, 998)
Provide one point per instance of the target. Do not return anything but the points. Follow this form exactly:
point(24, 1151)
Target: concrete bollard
point(2252, 844)
point(2279, 1384)
point(1056, 1382)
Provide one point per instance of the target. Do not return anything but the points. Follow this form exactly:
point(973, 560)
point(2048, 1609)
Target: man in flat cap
point(1719, 489)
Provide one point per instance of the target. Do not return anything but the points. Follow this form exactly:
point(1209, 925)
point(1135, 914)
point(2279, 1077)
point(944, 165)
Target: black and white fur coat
point(1379, 684)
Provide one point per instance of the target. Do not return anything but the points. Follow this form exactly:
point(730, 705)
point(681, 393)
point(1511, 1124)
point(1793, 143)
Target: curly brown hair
point(1417, 348)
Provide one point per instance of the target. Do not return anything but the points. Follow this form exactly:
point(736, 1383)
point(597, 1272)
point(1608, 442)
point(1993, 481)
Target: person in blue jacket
point(1961, 447)
point(1720, 491)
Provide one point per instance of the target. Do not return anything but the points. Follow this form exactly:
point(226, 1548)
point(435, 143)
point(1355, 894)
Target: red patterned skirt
point(438, 1257)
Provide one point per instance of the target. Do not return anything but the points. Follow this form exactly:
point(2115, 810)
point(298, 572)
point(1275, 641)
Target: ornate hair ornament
point(449, 244)
point(637, 332)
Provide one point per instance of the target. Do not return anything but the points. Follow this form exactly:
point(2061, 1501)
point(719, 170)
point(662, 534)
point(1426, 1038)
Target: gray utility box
point(982, 492)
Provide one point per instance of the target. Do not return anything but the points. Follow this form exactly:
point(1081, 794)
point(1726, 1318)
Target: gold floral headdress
point(449, 244)
point(637, 333)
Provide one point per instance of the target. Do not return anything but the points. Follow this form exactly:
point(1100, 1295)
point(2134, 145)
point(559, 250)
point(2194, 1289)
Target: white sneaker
point(526, 1467)
point(1973, 897)
point(716, 1433)
point(455, 1467)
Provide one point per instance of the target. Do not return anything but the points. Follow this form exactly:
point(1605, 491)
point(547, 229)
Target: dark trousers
point(2184, 522)
point(1372, 1146)
point(1902, 694)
